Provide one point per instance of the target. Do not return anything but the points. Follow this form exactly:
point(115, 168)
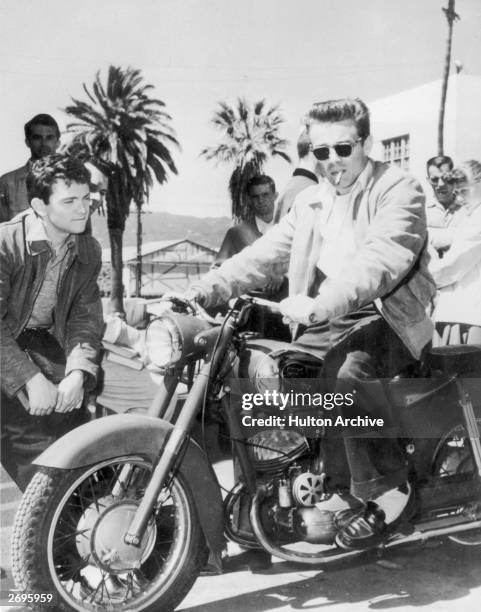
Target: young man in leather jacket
point(51, 313)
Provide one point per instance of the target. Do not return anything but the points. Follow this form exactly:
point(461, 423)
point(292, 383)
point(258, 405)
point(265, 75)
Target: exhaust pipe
point(335, 554)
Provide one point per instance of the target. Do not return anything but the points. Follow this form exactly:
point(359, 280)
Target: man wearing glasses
point(443, 212)
point(355, 252)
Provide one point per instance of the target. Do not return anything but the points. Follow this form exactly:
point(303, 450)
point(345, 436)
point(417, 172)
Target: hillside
point(166, 226)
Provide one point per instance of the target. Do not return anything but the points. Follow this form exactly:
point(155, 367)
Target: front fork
point(170, 452)
point(172, 448)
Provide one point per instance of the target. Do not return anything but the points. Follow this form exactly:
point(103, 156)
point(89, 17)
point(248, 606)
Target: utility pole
point(451, 17)
point(138, 264)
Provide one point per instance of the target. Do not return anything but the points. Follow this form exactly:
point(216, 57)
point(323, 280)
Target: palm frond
point(250, 134)
point(127, 130)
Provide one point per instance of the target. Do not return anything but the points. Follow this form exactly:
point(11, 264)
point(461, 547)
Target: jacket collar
point(37, 241)
point(327, 190)
point(24, 170)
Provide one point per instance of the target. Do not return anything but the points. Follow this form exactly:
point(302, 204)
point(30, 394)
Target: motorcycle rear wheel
point(454, 457)
point(67, 540)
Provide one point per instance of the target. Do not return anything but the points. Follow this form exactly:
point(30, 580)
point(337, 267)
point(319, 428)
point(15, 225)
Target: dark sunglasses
point(342, 149)
point(446, 178)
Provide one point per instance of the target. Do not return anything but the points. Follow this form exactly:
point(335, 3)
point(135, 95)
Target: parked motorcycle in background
point(125, 511)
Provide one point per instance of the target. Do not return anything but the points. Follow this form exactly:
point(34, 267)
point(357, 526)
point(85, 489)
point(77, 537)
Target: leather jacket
point(78, 321)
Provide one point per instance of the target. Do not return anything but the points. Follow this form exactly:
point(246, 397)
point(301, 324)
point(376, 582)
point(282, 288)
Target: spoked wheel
point(454, 457)
point(68, 540)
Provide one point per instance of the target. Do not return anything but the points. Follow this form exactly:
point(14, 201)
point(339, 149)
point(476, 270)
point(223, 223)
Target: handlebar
point(195, 308)
point(190, 305)
point(268, 304)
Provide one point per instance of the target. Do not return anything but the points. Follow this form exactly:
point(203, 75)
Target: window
point(396, 151)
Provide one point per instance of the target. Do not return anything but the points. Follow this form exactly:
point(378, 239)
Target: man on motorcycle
point(359, 287)
point(51, 313)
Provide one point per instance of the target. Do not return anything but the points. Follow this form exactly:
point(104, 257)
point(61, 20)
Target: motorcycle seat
point(455, 359)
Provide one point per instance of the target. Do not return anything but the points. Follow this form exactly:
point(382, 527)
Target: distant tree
point(451, 16)
point(250, 136)
point(129, 138)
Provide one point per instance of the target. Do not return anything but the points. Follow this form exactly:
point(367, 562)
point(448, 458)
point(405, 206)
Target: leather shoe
point(367, 528)
point(343, 517)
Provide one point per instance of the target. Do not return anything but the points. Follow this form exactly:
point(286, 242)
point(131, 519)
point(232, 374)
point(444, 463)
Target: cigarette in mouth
point(338, 178)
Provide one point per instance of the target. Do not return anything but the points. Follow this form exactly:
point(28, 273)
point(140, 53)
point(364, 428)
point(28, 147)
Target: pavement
point(436, 577)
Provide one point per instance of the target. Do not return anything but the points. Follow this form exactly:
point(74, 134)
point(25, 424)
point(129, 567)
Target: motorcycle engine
point(300, 507)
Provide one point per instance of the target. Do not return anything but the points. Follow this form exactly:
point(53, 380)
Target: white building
point(405, 125)
point(167, 265)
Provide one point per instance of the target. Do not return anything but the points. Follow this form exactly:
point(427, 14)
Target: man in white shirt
point(443, 212)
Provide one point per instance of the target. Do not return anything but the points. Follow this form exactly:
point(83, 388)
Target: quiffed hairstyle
point(44, 172)
point(260, 179)
point(303, 144)
point(42, 119)
point(333, 111)
point(438, 161)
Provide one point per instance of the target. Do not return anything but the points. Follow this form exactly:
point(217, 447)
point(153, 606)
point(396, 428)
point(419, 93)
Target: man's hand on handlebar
point(298, 309)
point(188, 299)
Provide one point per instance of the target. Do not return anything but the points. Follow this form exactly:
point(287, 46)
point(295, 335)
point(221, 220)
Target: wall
point(416, 112)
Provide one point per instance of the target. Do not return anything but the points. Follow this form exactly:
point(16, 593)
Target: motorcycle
point(124, 512)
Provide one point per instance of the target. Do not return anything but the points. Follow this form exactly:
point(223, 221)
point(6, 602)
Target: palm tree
point(128, 135)
point(250, 136)
point(451, 16)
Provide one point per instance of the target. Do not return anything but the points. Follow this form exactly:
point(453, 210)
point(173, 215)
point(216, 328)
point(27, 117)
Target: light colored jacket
point(390, 267)
point(458, 274)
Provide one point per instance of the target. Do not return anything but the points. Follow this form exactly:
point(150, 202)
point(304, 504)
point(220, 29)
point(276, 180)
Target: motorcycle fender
point(132, 434)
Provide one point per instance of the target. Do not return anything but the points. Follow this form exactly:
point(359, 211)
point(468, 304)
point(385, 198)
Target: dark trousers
point(362, 350)
point(23, 436)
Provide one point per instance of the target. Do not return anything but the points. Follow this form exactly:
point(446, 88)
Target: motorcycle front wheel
point(68, 545)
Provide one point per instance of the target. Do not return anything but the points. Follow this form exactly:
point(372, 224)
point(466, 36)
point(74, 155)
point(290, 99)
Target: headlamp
point(163, 342)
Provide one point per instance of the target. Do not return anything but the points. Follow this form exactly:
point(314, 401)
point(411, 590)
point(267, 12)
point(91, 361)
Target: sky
point(199, 52)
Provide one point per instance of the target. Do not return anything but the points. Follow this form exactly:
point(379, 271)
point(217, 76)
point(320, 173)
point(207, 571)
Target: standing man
point(356, 255)
point(443, 212)
point(51, 314)
point(261, 193)
point(42, 137)
point(303, 176)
